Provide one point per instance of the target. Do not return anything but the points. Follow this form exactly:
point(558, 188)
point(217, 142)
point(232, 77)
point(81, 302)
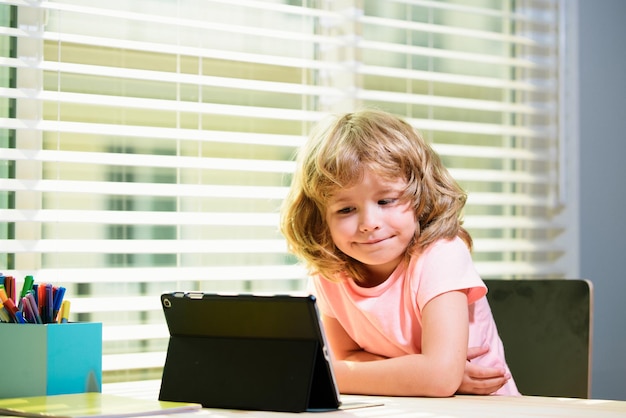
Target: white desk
point(455, 407)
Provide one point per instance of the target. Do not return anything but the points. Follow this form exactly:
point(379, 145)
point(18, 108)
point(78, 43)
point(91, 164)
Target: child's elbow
point(446, 385)
point(443, 389)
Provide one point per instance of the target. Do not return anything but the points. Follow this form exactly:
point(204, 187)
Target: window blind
point(147, 145)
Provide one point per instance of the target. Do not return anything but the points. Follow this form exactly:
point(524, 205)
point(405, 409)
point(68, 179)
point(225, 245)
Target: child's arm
point(343, 347)
point(438, 371)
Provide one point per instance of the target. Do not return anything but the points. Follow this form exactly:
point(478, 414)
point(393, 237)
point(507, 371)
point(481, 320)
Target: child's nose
point(369, 220)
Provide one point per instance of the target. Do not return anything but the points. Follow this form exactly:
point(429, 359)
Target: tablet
point(247, 351)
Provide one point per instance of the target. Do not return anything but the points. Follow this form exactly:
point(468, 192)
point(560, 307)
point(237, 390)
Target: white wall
point(602, 123)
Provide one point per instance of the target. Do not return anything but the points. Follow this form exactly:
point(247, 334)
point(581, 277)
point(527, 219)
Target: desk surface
point(455, 407)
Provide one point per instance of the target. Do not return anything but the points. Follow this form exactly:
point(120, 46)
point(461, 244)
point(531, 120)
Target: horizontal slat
point(124, 73)
point(144, 189)
point(120, 303)
point(107, 217)
point(150, 246)
point(261, 5)
point(543, 132)
point(199, 135)
point(452, 102)
point(146, 160)
point(14, 32)
point(483, 245)
point(509, 222)
point(144, 389)
point(164, 105)
point(508, 199)
point(497, 153)
point(276, 166)
point(518, 269)
point(126, 303)
point(134, 332)
point(162, 274)
point(430, 28)
point(112, 362)
point(375, 46)
point(172, 134)
point(499, 176)
point(460, 79)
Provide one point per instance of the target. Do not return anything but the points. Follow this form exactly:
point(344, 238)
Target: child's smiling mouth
point(374, 241)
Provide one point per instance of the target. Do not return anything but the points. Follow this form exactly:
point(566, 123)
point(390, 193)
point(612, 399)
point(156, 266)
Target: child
point(376, 218)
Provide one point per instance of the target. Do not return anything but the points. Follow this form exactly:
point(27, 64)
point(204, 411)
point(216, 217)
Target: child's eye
point(344, 211)
point(383, 202)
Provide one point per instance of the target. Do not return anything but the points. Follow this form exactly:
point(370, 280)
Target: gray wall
point(602, 123)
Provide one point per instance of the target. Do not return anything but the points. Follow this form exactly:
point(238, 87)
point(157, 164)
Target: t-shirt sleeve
point(317, 287)
point(445, 266)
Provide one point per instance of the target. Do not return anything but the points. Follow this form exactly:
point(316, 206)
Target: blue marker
point(19, 317)
point(58, 300)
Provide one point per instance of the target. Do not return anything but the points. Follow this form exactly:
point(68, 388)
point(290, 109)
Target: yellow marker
point(64, 313)
point(4, 315)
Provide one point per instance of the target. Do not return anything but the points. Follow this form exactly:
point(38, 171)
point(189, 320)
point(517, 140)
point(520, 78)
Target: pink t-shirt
point(386, 319)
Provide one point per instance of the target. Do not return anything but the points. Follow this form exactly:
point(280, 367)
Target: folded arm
point(437, 371)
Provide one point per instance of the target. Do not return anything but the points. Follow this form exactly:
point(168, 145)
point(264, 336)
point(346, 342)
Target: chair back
point(546, 329)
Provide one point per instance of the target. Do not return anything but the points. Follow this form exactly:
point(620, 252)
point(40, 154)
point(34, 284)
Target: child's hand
point(480, 380)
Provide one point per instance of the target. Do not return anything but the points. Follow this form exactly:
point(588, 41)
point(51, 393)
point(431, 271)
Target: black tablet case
point(247, 352)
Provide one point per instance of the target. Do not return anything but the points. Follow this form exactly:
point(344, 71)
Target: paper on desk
point(92, 405)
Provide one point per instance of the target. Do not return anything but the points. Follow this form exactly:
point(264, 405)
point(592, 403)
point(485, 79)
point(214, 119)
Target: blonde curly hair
point(336, 156)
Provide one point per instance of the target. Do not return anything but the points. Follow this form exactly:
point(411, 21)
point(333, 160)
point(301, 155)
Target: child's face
point(370, 223)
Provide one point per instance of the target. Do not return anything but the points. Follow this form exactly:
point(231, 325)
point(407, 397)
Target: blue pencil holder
point(50, 359)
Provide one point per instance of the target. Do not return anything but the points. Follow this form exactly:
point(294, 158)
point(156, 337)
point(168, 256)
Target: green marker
point(28, 285)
